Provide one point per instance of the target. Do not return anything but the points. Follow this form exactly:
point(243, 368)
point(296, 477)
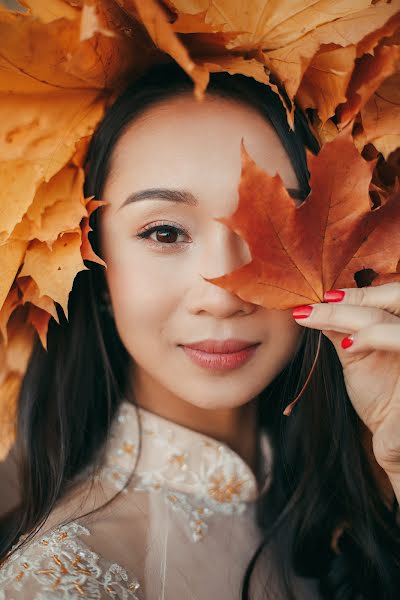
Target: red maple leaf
point(299, 252)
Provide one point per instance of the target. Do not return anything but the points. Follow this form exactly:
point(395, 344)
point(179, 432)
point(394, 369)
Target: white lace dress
point(182, 528)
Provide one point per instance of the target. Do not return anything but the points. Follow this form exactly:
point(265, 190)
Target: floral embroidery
point(65, 568)
point(195, 474)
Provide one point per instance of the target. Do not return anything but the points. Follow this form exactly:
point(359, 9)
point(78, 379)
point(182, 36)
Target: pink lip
point(220, 346)
point(220, 355)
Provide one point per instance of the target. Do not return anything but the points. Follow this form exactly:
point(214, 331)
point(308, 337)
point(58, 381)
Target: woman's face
point(159, 297)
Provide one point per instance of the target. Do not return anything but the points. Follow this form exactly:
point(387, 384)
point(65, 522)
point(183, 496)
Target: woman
point(153, 468)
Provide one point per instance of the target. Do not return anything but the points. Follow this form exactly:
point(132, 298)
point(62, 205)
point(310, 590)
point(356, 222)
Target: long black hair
point(322, 475)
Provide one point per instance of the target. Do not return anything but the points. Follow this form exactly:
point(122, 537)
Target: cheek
point(286, 335)
point(144, 296)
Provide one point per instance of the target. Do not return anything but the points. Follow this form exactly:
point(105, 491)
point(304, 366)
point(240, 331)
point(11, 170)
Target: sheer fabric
point(183, 527)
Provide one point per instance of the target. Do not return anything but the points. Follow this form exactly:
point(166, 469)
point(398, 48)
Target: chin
point(224, 400)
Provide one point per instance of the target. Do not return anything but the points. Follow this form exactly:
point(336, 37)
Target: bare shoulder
point(60, 564)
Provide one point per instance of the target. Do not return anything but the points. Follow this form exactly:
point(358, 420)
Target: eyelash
point(165, 227)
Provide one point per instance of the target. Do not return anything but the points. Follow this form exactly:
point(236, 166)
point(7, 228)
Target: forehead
point(186, 144)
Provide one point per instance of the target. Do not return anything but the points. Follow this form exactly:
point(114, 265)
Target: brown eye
point(166, 234)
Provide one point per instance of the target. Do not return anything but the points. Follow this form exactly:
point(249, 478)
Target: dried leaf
point(237, 64)
point(267, 25)
point(290, 61)
point(381, 116)
point(20, 182)
point(54, 270)
point(155, 20)
point(326, 80)
point(20, 341)
point(40, 320)
point(30, 293)
point(189, 23)
point(12, 301)
point(371, 71)
point(384, 31)
point(13, 363)
point(42, 55)
point(9, 390)
point(91, 23)
point(58, 206)
point(387, 173)
point(45, 129)
point(33, 51)
point(86, 248)
point(51, 11)
point(300, 252)
point(11, 255)
point(324, 132)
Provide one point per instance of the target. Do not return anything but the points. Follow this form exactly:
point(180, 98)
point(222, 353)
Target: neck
point(236, 427)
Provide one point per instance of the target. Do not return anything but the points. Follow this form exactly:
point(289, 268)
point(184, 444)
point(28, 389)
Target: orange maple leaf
point(299, 252)
point(87, 252)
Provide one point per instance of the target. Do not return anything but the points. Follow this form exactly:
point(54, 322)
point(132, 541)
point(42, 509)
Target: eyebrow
point(185, 196)
point(162, 194)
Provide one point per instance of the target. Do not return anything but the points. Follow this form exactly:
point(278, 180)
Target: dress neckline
point(165, 454)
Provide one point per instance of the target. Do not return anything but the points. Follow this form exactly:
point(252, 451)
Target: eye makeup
point(165, 231)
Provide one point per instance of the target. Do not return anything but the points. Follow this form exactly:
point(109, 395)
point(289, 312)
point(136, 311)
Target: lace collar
point(166, 456)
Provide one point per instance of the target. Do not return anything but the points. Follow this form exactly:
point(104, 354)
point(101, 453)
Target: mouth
point(220, 355)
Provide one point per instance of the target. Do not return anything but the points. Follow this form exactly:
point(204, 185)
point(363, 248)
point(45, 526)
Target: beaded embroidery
point(65, 568)
point(194, 474)
point(200, 477)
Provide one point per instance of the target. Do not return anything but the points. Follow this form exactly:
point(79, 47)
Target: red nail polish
point(334, 295)
point(302, 312)
point(347, 342)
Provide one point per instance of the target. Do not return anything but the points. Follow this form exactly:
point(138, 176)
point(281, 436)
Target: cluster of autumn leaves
point(62, 62)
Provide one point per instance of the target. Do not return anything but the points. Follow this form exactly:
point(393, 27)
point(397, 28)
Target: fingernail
point(347, 342)
point(302, 312)
point(334, 295)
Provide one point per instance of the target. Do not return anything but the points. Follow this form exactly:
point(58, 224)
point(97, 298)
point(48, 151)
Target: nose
point(226, 252)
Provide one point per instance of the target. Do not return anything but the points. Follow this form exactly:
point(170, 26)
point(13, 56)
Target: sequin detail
point(198, 476)
point(62, 567)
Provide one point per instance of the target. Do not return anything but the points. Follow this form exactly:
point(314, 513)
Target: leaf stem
point(290, 406)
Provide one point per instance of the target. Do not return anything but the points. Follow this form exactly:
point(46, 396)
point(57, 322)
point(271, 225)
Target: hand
point(370, 357)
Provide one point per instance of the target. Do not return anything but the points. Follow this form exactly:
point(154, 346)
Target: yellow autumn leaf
point(58, 206)
point(45, 54)
point(381, 116)
point(9, 390)
point(30, 293)
point(45, 129)
point(20, 180)
point(32, 52)
point(326, 80)
point(20, 340)
point(50, 11)
point(371, 72)
point(291, 61)
point(154, 18)
point(54, 270)
point(38, 136)
point(13, 362)
point(268, 25)
point(11, 256)
point(12, 301)
point(237, 64)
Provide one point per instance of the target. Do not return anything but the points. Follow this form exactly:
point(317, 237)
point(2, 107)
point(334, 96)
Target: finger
point(386, 296)
point(346, 358)
point(341, 317)
point(383, 336)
